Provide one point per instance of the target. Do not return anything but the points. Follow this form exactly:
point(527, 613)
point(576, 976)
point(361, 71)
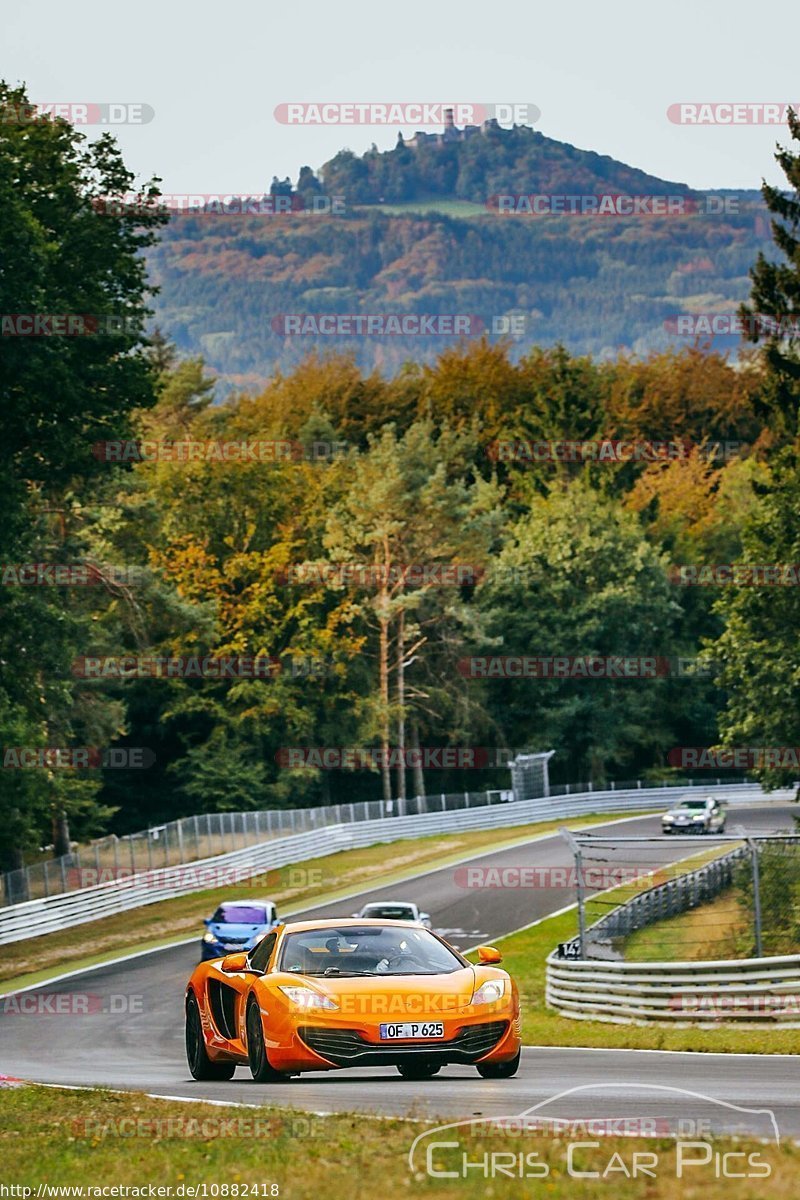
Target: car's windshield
point(389, 912)
point(375, 950)
point(240, 914)
point(694, 804)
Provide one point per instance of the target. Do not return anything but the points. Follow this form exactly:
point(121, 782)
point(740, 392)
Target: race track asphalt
point(132, 1035)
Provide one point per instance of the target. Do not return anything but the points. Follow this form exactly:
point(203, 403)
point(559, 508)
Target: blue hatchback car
point(237, 925)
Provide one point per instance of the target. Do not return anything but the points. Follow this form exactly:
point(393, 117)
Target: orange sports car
point(320, 995)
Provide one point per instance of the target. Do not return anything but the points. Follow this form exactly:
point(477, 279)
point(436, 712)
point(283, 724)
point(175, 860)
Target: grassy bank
point(103, 1139)
point(719, 929)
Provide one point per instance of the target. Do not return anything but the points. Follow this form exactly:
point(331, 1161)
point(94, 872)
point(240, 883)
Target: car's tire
point(260, 1067)
point(200, 1064)
point(419, 1070)
point(502, 1070)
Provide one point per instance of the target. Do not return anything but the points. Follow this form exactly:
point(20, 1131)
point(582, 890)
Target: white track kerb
point(52, 913)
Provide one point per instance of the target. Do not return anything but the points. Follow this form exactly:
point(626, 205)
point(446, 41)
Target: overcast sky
point(603, 76)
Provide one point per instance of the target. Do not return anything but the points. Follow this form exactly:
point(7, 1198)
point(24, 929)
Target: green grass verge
point(449, 208)
point(719, 929)
point(524, 956)
point(317, 881)
point(103, 1139)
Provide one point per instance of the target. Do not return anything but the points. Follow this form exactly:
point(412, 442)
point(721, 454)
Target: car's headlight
point(209, 937)
point(305, 997)
point(490, 992)
point(667, 819)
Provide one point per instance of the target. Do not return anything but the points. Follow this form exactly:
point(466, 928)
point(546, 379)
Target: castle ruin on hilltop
point(449, 134)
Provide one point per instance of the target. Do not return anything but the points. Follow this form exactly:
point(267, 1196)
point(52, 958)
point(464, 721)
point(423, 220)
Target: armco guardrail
point(46, 915)
point(750, 990)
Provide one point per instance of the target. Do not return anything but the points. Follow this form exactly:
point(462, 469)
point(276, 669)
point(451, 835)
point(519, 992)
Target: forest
point(497, 550)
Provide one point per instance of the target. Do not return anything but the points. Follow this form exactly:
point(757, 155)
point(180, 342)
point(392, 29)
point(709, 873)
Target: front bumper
point(350, 1048)
point(313, 1042)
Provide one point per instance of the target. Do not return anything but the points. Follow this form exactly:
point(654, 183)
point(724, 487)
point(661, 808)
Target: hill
point(419, 229)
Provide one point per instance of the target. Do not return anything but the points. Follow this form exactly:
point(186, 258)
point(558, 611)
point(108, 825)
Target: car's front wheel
point(200, 1064)
point(260, 1067)
point(502, 1070)
point(419, 1070)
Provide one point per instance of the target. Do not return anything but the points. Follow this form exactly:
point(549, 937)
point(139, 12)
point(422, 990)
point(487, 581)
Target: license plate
point(425, 1029)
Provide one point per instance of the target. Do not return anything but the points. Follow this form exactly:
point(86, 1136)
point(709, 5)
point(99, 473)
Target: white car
point(695, 814)
point(395, 910)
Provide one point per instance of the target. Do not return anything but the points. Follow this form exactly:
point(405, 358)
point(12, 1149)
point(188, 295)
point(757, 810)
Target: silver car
point(695, 814)
point(395, 910)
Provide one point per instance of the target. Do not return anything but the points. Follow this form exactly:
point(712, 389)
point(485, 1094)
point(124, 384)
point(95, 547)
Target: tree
point(67, 249)
point(576, 578)
point(774, 312)
point(411, 505)
point(71, 248)
point(758, 647)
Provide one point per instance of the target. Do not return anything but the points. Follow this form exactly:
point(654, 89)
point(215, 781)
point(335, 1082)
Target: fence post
point(180, 841)
point(756, 896)
point(579, 890)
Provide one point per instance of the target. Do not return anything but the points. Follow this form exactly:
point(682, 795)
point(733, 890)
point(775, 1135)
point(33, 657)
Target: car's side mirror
point(232, 963)
point(206, 920)
point(424, 916)
point(489, 954)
